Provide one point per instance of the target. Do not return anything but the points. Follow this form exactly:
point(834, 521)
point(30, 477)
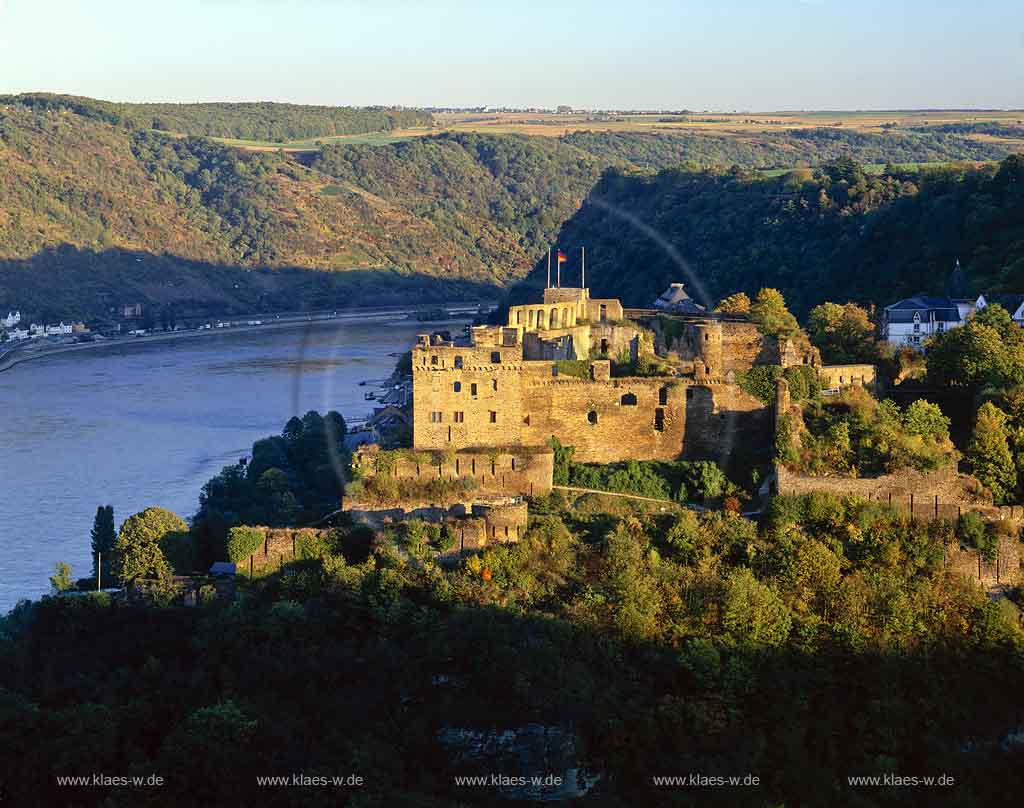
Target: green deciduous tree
point(143, 544)
point(61, 580)
point(737, 303)
point(753, 614)
point(843, 333)
point(926, 419)
point(989, 452)
point(988, 349)
point(772, 317)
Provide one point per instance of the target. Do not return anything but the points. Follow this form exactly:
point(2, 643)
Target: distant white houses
point(12, 319)
point(1012, 303)
point(37, 331)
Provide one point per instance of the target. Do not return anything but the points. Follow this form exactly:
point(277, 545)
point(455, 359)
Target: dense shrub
point(856, 434)
point(243, 542)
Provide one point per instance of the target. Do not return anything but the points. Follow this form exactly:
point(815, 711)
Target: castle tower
point(708, 347)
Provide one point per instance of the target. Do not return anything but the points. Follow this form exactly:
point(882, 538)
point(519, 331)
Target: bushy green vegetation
point(681, 480)
point(384, 490)
point(664, 643)
point(857, 435)
point(295, 478)
point(152, 544)
point(821, 234)
point(262, 121)
point(760, 380)
point(242, 542)
point(812, 147)
point(579, 368)
point(987, 350)
point(844, 334)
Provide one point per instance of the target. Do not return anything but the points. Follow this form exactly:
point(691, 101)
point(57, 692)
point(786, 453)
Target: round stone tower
point(708, 346)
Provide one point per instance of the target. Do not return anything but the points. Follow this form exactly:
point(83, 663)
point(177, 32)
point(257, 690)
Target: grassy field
point(553, 125)
point(313, 144)
point(744, 126)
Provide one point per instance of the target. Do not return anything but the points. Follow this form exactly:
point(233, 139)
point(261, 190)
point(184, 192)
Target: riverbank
point(458, 313)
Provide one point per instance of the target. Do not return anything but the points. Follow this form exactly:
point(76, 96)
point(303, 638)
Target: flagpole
point(559, 270)
point(583, 268)
point(549, 268)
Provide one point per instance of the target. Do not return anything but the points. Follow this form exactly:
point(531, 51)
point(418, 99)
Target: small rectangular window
point(460, 417)
point(436, 417)
point(472, 389)
point(433, 359)
point(494, 384)
point(494, 417)
point(496, 357)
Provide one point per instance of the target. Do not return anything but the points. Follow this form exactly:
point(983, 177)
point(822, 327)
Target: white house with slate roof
point(910, 322)
point(913, 320)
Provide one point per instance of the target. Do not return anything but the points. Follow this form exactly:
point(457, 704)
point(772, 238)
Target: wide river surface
point(134, 426)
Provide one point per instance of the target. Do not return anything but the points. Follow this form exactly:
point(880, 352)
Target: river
point(140, 425)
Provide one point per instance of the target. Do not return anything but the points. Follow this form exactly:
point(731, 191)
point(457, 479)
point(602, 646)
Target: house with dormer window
point(910, 322)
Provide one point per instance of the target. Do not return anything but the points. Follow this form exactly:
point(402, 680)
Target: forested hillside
point(832, 234)
point(828, 640)
point(77, 192)
point(97, 208)
point(655, 151)
point(527, 186)
point(249, 121)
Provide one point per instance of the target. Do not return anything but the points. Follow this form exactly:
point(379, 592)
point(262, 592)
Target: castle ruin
point(569, 368)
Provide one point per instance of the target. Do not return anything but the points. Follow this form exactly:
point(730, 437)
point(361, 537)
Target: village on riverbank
point(19, 344)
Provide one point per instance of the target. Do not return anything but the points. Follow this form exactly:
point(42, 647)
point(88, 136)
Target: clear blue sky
point(718, 54)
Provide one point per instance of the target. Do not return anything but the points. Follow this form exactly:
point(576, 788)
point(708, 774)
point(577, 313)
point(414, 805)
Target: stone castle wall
point(837, 376)
point(606, 420)
point(466, 397)
point(484, 404)
point(475, 525)
point(280, 546)
point(943, 493)
point(1003, 570)
point(506, 390)
point(721, 418)
point(732, 346)
point(518, 471)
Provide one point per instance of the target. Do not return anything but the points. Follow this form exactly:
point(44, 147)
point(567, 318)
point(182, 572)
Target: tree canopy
point(145, 542)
